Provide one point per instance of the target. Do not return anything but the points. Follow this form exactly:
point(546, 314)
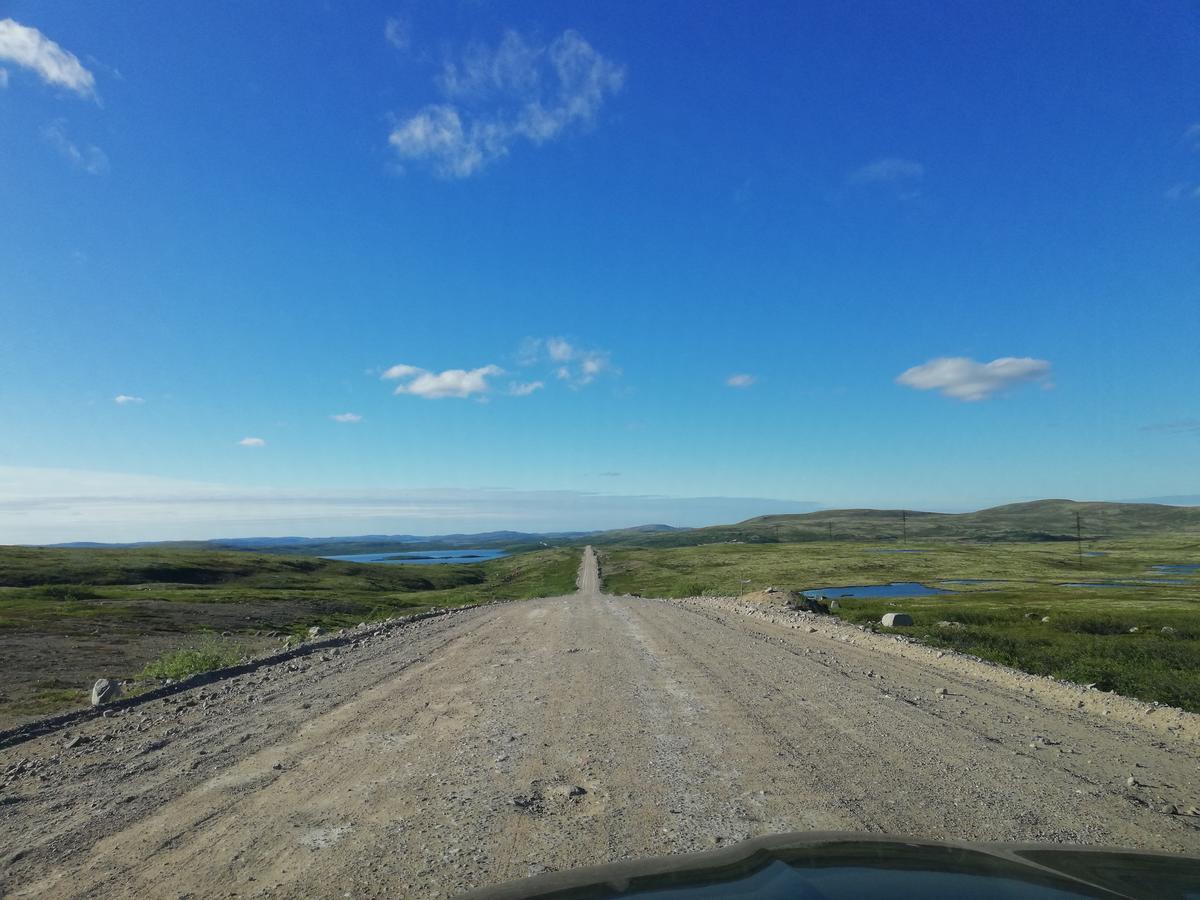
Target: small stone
point(73, 742)
point(277, 766)
point(1045, 619)
point(1132, 782)
point(1166, 629)
point(1133, 630)
point(896, 620)
point(1169, 809)
point(315, 631)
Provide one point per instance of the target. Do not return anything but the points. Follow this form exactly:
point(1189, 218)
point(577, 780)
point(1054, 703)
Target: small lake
point(895, 589)
point(422, 557)
point(1186, 569)
point(1101, 584)
point(891, 550)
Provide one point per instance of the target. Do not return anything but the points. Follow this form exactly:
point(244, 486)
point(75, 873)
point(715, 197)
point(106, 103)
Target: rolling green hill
point(1040, 520)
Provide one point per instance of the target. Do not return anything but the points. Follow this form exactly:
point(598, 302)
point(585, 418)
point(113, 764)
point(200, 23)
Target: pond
point(891, 550)
point(895, 589)
point(1101, 584)
point(422, 557)
point(1184, 569)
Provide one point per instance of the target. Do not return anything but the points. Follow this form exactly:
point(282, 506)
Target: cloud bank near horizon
point(43, 505)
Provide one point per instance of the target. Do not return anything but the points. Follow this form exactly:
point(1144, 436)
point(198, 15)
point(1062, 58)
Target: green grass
point(1087, 638)
point(128, 587)
point(204, 655)
point(46, 700)
point(69, 616)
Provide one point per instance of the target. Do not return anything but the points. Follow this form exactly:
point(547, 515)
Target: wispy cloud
point(966, 379)
point(1178, 426)
point(87, 158)
point(127, 400)
point(397, 32)
point(495, 98)
point(1182, 190)
point(740, 381)
point(888, 170)
point(1191, 137)
point(524, 389)
point(348, 418)
point(3, 78)
point(576, 365)
point(29, 48)
point(252, 442)
point(460, 383)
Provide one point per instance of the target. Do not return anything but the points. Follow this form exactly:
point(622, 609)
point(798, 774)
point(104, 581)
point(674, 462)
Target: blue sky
point(954, 252)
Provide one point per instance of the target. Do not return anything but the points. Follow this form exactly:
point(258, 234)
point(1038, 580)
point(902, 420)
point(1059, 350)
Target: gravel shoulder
point(507, 740)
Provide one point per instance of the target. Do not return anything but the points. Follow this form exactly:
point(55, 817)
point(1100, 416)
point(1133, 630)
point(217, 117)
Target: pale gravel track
point(688, 724)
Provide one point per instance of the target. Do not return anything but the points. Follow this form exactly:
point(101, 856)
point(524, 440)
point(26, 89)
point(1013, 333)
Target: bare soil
point(498, 742)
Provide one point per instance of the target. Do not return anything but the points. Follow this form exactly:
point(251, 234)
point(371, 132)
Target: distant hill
point(384, 543)
point(1040, 520)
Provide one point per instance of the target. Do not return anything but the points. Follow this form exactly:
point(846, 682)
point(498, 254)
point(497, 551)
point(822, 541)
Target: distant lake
point(1185, 569)
point(422, 557)
point(895, 589)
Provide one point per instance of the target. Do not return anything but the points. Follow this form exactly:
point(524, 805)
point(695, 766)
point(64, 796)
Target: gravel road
point(511, 739)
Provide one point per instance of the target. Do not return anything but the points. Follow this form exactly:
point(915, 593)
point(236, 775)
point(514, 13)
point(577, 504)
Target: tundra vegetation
point(1140, 637)
point(69, 616)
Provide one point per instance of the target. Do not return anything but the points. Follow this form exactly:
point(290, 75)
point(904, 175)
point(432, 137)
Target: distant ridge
point(1037, 520)
point(381, 543)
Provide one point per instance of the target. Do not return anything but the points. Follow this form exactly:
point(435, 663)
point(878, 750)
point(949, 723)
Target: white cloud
point(524, 389)
point(559, 350)
point(401, 372)
point(347, 417)
point(436, 385)
point(29, 48)
point(496, 98)
point(396, 31)
point(252, 442)
point(740, 381)
point(577, 365)
point(127, 400)
point(88, 158)
point(889, 170)
point(967, 379)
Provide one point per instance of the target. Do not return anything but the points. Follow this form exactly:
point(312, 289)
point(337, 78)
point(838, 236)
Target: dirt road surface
point(503, 741)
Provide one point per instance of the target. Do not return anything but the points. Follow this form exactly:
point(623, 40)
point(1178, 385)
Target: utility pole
point(904, 524)
point(1079, 538)
point(831, 530)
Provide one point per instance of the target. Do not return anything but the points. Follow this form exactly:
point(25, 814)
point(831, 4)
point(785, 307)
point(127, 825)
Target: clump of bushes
point(203, 655)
